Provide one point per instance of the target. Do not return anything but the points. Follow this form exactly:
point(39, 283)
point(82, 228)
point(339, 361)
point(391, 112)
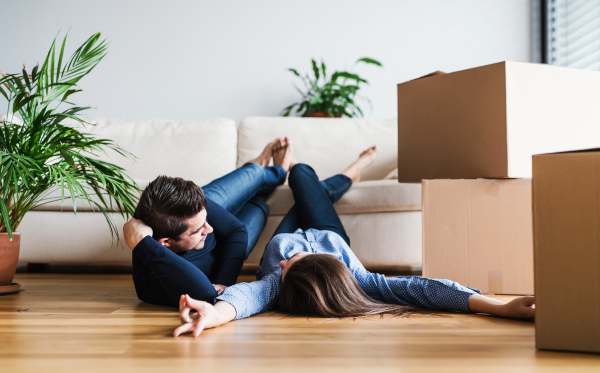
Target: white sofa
point(382, 217)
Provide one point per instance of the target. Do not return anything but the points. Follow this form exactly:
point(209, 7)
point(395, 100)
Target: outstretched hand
point(520, 308)
point(206, 316)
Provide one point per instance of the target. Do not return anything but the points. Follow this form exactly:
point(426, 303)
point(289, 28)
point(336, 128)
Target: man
point(203, 234)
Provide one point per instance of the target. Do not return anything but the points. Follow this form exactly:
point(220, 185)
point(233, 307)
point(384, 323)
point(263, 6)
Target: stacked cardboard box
point(566, 216)
point(481, 123)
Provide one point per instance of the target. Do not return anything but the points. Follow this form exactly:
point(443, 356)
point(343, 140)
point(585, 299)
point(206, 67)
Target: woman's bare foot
point(282, 153)
point(365, 159)
point(265, 157)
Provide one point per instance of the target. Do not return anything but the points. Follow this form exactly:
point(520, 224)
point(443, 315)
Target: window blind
point(573, 33)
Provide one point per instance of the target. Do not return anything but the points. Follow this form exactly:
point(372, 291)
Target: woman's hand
point(519, 308)
point(207, 316)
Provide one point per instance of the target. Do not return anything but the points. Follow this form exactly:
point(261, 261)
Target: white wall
point(201, 59)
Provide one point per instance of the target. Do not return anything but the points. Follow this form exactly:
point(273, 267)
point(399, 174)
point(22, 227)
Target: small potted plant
point(44, 151)
point(331, 96)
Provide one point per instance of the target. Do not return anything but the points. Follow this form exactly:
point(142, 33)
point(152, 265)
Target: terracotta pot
point(9, 256)
point(321, 115)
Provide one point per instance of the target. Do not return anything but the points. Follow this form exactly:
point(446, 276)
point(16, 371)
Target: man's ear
point(164, 241)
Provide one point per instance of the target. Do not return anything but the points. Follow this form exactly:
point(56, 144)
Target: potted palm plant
point(331, 96)
point(44, 151)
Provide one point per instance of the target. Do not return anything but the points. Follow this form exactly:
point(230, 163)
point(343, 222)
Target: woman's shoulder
point(325, 235)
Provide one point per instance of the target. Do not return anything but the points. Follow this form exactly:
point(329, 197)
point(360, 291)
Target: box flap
point(435, 73)
point(591, 150)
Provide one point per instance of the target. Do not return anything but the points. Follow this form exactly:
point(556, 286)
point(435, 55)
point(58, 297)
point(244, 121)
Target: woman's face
point(286, 264)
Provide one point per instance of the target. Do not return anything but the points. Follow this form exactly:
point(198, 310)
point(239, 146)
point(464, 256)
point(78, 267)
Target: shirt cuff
point(148, 248)
point(231, 300)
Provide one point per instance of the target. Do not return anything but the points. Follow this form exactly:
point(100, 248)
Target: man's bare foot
point(365, 159)
point(282, 154)
point(265, 157)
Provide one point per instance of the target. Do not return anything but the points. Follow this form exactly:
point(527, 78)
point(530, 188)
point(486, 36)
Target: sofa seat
point(364, 197)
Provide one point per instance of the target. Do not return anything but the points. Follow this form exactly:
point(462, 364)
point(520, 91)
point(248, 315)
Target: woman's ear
point(164, 241)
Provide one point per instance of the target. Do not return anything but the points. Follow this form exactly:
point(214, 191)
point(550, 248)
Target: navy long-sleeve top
point(161, 276)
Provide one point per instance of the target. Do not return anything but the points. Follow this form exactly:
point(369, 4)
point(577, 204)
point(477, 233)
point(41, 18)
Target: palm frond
point(47, 153)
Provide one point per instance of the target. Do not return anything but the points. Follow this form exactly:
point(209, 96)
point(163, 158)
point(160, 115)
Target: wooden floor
point(94, 323)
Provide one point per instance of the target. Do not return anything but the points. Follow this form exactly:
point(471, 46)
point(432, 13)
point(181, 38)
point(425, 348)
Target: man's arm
point(175, 275)
point(232, 241)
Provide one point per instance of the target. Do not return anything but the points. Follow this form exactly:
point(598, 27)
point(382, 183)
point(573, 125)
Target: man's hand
point(134, 231)
point(207, 316)
point(219, 288)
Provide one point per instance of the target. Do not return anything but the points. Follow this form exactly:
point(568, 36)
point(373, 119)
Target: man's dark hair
point(167, 202)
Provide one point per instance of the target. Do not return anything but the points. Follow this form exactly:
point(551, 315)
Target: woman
point(313, 271)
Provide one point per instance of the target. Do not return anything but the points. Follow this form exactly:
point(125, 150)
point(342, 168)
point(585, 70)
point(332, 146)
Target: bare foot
point(365, 159)
point(293, 162)
point(265, 157)
point(282, 155)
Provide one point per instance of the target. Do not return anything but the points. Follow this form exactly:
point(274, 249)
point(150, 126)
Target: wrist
point(482, 304)
point(226, 312)
point(141, 237)
point(137, 239)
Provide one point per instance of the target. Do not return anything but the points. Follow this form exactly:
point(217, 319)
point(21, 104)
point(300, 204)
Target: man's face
point(193, 238)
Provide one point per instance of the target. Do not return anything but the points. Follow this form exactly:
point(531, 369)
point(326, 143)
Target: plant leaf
point(69, 93)
point(6, 218)
point(315, 69)
point(25, 101)
point(370, 61)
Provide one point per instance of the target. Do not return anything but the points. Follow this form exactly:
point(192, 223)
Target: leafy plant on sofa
point(46, 158)
point(334, 95)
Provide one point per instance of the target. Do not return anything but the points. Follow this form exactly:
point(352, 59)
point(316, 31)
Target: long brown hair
point(320, 285)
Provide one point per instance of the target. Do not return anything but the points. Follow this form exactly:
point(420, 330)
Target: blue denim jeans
point(244, 193)
point(314, 201)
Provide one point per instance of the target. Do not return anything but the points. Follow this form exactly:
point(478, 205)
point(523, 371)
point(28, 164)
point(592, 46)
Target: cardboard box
point(487, 122)
point(566, 222)
point(479, 233)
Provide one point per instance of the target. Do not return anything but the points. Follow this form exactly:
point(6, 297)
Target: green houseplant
point(44, 157)
point(331, 96)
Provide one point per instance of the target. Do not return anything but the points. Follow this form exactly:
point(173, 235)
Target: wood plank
point(95, 323)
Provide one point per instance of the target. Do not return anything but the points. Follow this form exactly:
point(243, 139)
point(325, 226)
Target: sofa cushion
point(363, 197)
point(197, 150)
point(329, 145)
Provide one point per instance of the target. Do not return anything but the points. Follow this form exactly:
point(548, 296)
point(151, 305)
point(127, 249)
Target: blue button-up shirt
point(258, 296)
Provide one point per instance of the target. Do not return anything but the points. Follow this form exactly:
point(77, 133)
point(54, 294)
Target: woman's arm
point(207, 316)
point(237, 302)
point(518, 308)
point(416, 291)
